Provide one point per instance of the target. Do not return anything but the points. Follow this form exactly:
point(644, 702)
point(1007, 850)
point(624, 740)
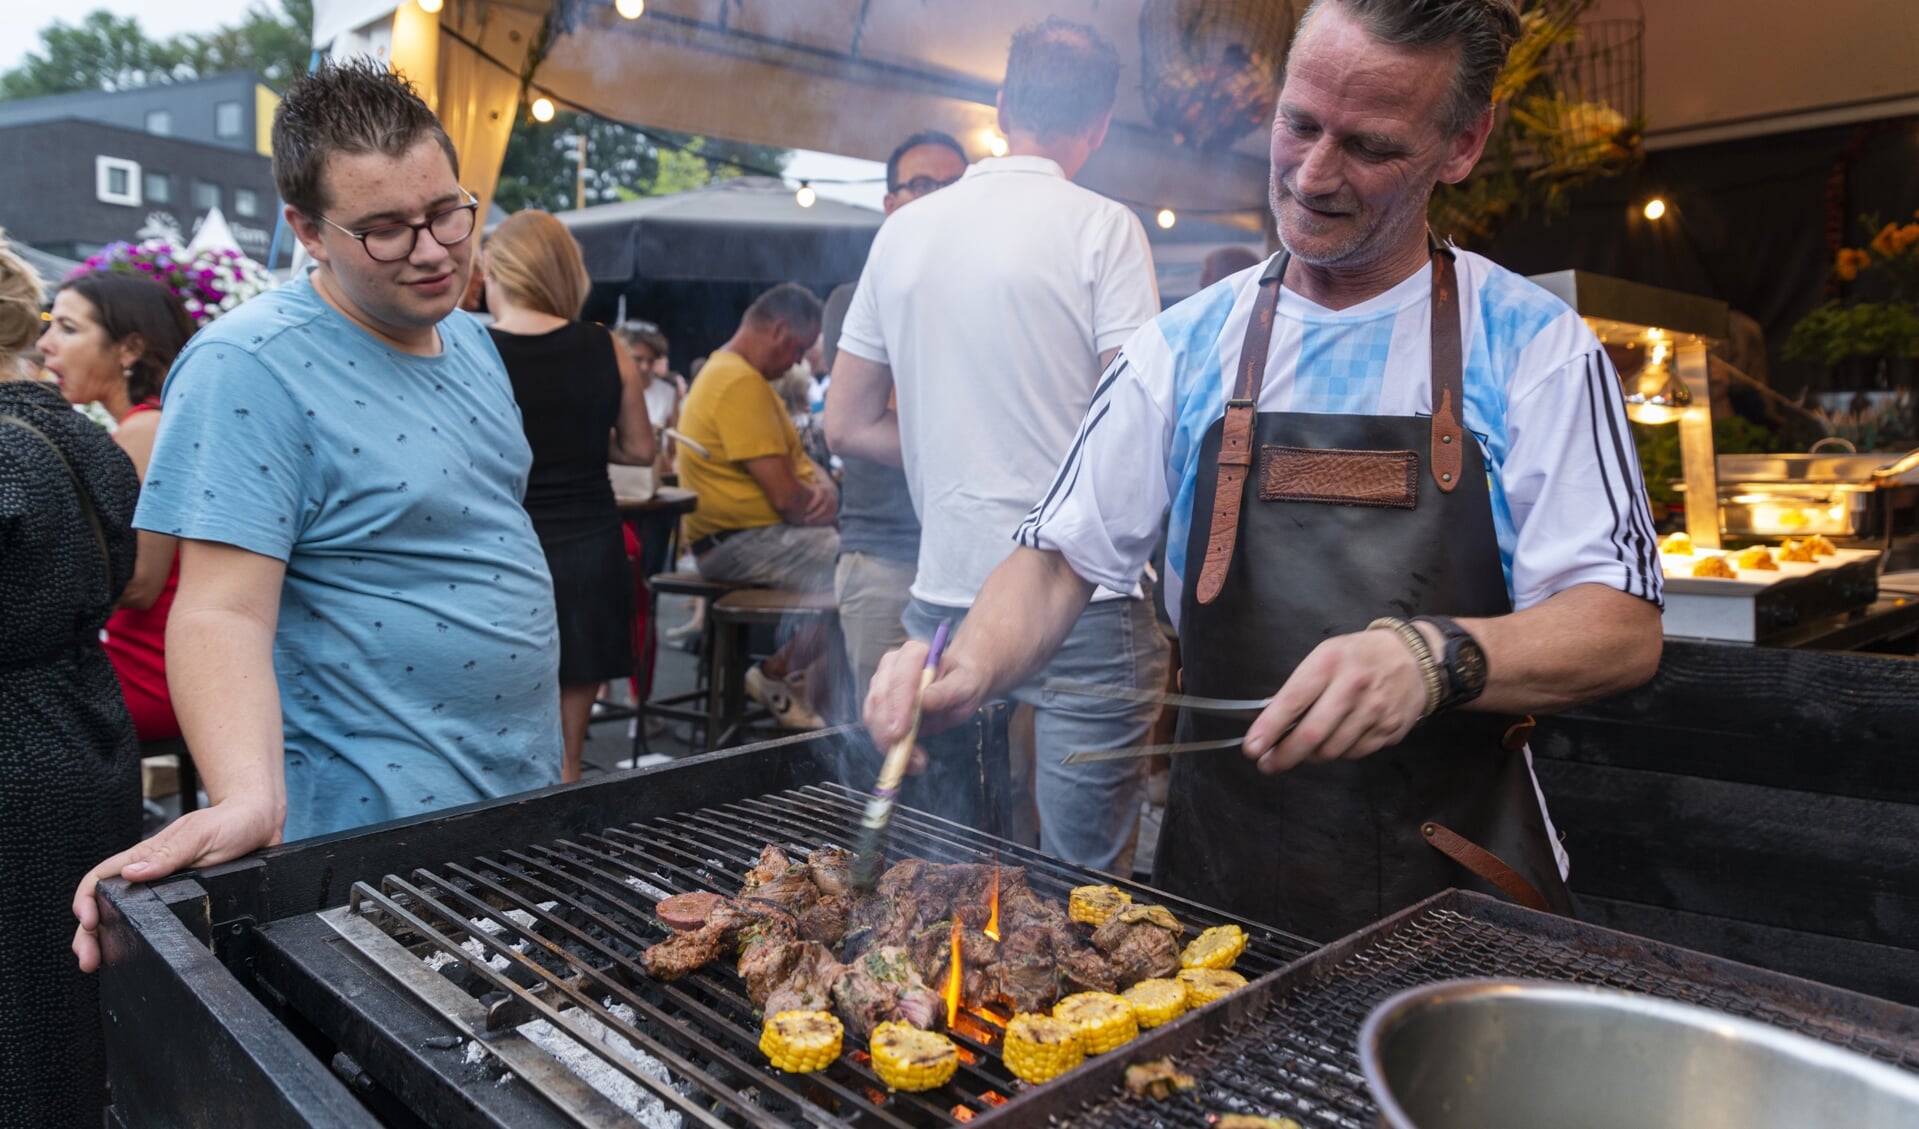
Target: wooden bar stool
point(730, 618)
point(694, 706)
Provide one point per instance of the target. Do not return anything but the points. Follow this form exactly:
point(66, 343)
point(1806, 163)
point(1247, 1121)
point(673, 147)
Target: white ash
point(478, 952)
point(474, 1052)
point(440, 959)
point(647, 888)
point(601, 1075)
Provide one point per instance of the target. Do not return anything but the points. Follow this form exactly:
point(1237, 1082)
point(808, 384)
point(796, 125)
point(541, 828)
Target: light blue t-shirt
point(417, 654)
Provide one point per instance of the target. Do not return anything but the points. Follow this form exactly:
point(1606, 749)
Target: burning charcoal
point(1142, 942)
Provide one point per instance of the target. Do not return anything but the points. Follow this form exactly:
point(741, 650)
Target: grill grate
point(1296, 1054)
point(572, 917)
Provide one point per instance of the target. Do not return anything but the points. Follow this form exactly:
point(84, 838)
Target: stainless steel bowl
point(1519, 1054)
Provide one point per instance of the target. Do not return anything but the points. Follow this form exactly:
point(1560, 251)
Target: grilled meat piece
point(773, 863)
point(1142, 942)
point(876, 920)
point(832, 871)
point(682, 953)
point(1157, 1079)
point(766, 965)
point(1025, 977)
point(825, 921)
point(775, 879)
point(882, 985)
point(809, 984)
point(1083, 970)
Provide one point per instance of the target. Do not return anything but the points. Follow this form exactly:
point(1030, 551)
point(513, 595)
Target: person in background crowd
point(112, 339)
point(991, 307)
point(69, 761)
point(364, 628)
point(647, 346)
point(575, 386)
point(1224, 262)
point(766, 511)
point(879, 532)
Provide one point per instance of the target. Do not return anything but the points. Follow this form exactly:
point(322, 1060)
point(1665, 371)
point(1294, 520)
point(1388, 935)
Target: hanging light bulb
point(630, 9)
point(1655, 208)
point(996, 145)
point(542, 109)
point(806, 196)
point(431, 6)
point(1167, 219)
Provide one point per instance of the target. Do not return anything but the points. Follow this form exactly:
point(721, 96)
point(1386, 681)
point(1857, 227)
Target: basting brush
point(879, 809)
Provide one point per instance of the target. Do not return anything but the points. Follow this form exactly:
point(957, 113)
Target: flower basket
point(1210, 68)
point(208, 283)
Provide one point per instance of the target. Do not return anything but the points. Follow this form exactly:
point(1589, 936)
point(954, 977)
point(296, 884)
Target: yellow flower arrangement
point(1885, 328)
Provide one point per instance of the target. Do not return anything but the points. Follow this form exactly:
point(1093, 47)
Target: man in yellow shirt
point(766, 512)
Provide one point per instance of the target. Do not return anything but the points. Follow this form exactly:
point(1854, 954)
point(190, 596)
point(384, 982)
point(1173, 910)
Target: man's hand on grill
point(1354, 695)
point(225, 831)
point(952, 697)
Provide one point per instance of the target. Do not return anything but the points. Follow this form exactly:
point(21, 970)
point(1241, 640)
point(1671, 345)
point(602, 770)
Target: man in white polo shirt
point(992, 307)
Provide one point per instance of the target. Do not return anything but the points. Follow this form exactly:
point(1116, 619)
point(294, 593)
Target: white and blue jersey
point(1541, 397)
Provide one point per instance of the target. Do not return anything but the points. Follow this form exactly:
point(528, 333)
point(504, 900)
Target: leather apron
point(1341, 519)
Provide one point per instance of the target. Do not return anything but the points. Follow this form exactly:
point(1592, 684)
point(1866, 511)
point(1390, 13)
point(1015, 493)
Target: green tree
point(108, 52)
point(541, 162)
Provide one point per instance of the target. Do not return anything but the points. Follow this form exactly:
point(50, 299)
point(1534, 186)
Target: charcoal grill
point(337, 1016)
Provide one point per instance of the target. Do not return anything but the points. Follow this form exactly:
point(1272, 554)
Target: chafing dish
point(1860, 500)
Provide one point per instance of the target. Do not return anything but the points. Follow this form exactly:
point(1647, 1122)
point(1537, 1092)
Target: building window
point(206, 196)
point(160, 122)
point(116, 181)
point(159, 188)
point(246, 202)
point(226, 119)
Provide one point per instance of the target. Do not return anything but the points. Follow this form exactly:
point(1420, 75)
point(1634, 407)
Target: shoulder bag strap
point(79, 489)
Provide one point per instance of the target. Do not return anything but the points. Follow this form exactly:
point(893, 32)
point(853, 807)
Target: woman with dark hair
point(69, 764)
point(583, 403)
point(112, 338)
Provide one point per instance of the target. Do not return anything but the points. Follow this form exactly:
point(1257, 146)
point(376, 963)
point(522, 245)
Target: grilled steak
point(832, 871)
point(1142, 942)
point(825, 921)
point(809, 984)
point(1024, 977)
point(778, 881)
point(882, 985)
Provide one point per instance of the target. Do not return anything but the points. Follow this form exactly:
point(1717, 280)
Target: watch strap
point(1458, 693)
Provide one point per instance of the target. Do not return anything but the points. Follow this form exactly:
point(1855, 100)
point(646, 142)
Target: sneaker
point(788, 708)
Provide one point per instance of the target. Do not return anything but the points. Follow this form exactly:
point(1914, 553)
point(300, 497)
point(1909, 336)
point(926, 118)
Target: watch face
point(1471, 664)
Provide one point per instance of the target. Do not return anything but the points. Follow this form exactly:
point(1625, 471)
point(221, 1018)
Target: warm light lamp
point(630, 9)
point(1655, 208)
point(1657, 395)
point(542, 109)
point(996, 145)
point(1167, 219)
point(806, 197)
point(431, 6)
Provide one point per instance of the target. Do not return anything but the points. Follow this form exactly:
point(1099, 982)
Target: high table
point(651, 519)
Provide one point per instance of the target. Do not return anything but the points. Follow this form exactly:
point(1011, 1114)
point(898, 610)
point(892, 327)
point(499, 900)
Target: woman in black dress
point(583, 404)
point(69, 763)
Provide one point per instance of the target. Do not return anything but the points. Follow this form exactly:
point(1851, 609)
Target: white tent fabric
point(213, 235)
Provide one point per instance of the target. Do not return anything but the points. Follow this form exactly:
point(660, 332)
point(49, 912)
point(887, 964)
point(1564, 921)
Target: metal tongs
point(1231, 707)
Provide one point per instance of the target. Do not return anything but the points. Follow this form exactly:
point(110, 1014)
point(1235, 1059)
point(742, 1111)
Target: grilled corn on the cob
point(1103, 1020)
point(1156, 1001)
point(1040, 1048)
point(908, 1058)
point(1218, 947)
point(1094, 904)
point(1204, 985)
point(801, 1041)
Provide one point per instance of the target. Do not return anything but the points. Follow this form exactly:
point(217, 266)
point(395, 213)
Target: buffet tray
point(1760, 604)
point(1287, 1045)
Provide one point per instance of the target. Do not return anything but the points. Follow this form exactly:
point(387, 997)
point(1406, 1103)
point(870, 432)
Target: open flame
point(952, 992)
point(992, 918)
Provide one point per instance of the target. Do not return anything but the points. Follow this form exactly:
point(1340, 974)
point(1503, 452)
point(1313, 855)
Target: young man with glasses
point(364, 628)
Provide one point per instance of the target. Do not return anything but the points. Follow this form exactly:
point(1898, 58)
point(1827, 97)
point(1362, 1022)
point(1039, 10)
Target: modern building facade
point(79, 171)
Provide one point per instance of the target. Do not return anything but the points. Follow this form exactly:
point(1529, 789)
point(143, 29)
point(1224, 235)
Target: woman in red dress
point(112, 338)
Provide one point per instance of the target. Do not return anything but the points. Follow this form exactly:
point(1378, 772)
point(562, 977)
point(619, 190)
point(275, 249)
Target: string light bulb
point(806, 196)
point(630, 9)
point(996, 145)
point(431, 6)
point(1167, 219)
point(1655, 208)
point(542, 109)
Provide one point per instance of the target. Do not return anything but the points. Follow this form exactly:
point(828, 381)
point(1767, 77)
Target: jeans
point(796, 557)
point(1089, 813)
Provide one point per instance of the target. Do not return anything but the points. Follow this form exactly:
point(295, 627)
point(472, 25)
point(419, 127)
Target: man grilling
point(1413, 515)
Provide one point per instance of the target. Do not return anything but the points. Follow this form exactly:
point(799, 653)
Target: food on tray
point(800, 1042)
point(1156, 1001)
point(1141, 942)
point(1678, 544)
point(1715, 566)
point(1800, 551)
point(1758, 557)
point(1822, 547)
point(1103, 1020)
point(1092, 905)
point(1157, 1080)
point(1204, 985)
point(687, 912)
point(1217, 947)
point(907, 1058)
point(1040, 1048)
point(1248, 1121)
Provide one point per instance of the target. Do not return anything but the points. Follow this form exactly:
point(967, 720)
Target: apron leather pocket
point(1343, 478)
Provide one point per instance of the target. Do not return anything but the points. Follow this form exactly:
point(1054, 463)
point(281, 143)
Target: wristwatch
point(1463, 662)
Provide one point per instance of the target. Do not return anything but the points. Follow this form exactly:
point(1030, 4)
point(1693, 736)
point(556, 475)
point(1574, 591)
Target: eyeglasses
point(391, 242)
point(921, 185)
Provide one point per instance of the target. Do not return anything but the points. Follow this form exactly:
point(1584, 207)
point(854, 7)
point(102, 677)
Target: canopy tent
point(855, 76)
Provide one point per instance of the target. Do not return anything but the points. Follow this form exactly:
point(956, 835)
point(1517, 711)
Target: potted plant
point(1872, 335)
